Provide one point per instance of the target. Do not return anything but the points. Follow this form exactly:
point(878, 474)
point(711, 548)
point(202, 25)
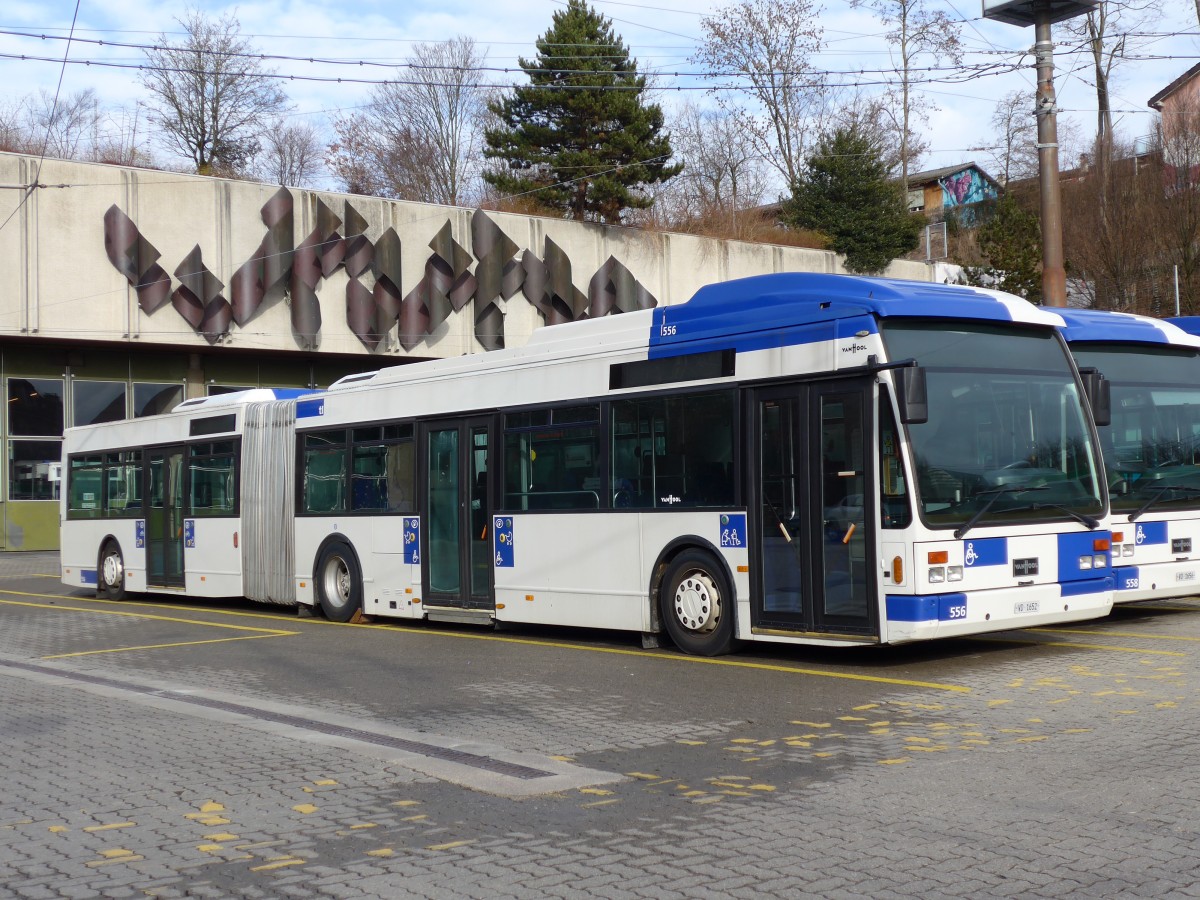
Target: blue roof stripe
point(777, 310)
point(1103, 325)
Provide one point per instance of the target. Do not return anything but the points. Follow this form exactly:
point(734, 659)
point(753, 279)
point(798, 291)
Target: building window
point(97, 401)
point(152, 399)
point(35, 427)
point(215, 389)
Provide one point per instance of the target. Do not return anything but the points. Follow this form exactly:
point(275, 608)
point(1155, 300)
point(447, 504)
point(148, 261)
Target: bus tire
point(110, 572)
point(338, 580)
point(696, 604)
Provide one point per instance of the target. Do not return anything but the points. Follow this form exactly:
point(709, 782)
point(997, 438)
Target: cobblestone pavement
point(160, 749)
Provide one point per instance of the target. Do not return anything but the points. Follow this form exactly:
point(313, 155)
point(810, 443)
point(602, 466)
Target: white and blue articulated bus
point(1151, 446)
point(195, 502)
point(799, 458)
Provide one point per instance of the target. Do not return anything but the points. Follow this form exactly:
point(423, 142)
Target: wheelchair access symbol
point(412, 541)
point(504, 542)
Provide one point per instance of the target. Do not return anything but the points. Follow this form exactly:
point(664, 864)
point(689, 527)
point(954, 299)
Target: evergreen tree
point(847, 195)
point(580, 136)
point(1011, 245)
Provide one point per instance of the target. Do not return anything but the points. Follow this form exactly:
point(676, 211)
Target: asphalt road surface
point(214, 749)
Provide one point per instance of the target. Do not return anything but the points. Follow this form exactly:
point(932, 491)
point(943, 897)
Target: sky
point(661, 34)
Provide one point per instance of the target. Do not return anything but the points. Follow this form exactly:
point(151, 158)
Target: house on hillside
point(956, 188)
point(1178, 105)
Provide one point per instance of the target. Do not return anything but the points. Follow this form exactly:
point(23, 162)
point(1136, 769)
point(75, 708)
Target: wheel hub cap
point(697, 603)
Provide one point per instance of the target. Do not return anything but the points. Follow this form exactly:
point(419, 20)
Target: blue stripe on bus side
point(1128, 577)
point(922, 608)
point(1086, 586)
point(87, 576)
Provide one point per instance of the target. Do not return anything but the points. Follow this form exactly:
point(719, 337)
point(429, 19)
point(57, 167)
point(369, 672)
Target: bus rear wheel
point(338, 581)
point(110, 581)
point(696, 604)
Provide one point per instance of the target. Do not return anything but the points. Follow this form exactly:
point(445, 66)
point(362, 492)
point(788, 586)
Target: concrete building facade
point(124, 291)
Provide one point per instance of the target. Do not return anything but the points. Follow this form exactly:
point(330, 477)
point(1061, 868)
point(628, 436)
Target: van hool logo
point(854, 348)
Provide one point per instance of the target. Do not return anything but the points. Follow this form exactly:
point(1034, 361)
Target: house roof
point(932, 175)
point(1156, 102)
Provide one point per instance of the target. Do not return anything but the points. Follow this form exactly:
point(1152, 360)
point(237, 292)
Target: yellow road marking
point(277, 865)
point(383, 852)
point(449, 846)
point(506, 639)
point(1126, 634)
point(248, 637)
point(93, 828)
point(134, 615)
point(1081, 646)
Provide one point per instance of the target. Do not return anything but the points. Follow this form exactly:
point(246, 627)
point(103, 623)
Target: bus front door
point(815, 504)
point(458, 510)
point(164, 518)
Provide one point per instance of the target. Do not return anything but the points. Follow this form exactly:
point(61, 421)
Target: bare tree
point(64, 129)
point(1109, 235)
point(916, 31)
point(420, 137)
point(767, 45)
point(723, 175)
point(121, 139)
point(291, 153)
point(1014, 137)
point(1109, 34)
point(210, 94)
point(1178, 225)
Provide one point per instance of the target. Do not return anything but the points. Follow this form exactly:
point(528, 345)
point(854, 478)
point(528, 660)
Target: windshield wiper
point(1079, 517)
point(996, 494)
point(1158, 496)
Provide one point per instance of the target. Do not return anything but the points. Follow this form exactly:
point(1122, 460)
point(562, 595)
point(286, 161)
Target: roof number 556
point(666, 330)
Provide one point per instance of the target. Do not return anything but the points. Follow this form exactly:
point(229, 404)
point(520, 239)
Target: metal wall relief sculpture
point(198, 298)
point(267, 274)
point(317, 257)
point(279, 268)
point(136, 259)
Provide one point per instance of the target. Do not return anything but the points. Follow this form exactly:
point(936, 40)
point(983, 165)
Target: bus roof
point(1105, 326)
point(1190, 324)
point(241, 398)
point(820, 296)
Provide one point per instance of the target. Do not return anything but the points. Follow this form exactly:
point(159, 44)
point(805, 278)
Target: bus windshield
point(1152, 448)
point(1007, 439)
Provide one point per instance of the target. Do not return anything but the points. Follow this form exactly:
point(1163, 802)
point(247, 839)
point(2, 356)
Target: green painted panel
point(30, 525)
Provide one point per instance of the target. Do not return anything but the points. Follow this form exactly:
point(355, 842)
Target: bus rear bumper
point(923, 616)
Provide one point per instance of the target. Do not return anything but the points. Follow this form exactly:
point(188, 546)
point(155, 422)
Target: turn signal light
point(897, 570)
point(1100, 544)
point(939, 557)
point(1118, 537)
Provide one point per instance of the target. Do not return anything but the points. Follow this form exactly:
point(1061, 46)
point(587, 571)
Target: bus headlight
point(937, 575)
point(1127, 549)
point(954, 573)
point(1085, 562)
point(1101, 560)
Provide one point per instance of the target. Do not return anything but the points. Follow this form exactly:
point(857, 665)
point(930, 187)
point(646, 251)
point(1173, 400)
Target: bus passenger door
point(815, 507)
point(164, 517)
point(458, 510)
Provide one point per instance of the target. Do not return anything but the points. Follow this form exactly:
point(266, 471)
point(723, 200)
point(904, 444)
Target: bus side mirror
point(911, 395)
point(1099, 394)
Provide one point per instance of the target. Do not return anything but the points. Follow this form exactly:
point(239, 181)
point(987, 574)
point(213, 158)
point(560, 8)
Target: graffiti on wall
point(492, 270)
point(966, 187)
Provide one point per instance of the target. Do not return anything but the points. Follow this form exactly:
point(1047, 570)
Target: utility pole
point(1042, 14)
point(1054, 273)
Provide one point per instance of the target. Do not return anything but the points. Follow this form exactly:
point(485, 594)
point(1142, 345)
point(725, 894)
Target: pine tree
point(847, 194)
point(580, 136)
point(1011, 245)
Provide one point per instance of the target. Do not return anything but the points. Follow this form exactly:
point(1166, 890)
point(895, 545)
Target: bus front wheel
point(696, 603)
point(338, 582)
point(111, 581)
